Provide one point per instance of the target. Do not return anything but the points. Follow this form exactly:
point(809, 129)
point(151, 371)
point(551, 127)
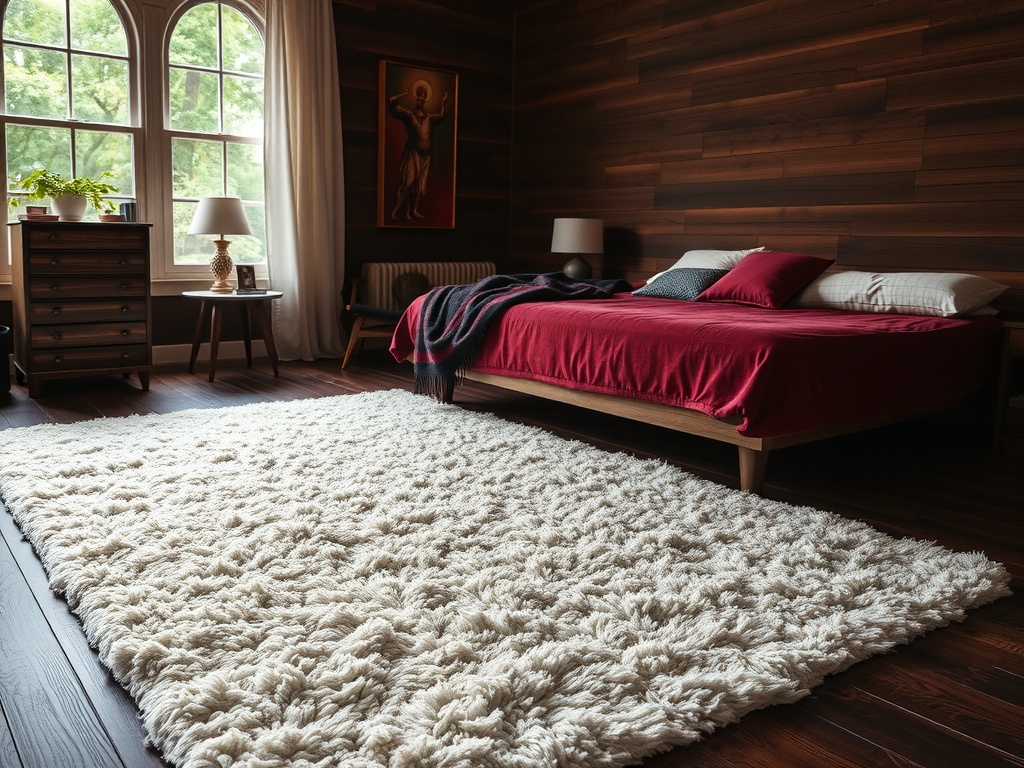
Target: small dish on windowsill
point(110, 217)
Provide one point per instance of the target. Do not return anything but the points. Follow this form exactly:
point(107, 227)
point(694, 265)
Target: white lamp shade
point(219, 216)
point(578, 236)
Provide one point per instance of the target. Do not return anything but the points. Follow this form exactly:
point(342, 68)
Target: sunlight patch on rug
point(380, 580)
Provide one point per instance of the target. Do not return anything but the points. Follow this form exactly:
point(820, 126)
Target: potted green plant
point(70, 196)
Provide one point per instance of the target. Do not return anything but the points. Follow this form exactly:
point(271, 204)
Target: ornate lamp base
point(220, 266)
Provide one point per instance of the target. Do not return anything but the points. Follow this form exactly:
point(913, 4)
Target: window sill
point(167, 287)
point(174, 286)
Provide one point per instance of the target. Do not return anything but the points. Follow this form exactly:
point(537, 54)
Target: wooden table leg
point(197, 339)
point(214, 339)
point(266, 327)
point(246, 332)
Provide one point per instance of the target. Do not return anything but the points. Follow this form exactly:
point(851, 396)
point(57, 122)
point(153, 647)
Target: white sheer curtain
point(305, 191)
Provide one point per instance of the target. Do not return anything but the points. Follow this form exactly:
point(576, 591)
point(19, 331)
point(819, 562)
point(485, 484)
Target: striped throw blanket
point(454, 319)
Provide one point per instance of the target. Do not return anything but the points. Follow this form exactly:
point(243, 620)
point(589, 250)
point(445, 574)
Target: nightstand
point(1009, 432)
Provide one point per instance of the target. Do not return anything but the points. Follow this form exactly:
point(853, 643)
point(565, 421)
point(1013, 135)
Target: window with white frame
point(74, 74)
point(215, 113)
point(68, 103)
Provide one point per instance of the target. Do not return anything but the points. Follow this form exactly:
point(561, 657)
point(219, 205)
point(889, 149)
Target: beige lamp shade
point(220, 216)
point(577, 236)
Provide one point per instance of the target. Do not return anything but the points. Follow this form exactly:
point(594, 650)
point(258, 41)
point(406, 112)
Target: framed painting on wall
point(416, 140)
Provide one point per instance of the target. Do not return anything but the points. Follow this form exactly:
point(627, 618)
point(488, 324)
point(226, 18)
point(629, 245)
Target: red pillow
point(766, 279)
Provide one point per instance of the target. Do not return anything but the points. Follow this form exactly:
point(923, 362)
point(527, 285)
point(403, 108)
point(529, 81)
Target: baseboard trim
point(168, 354)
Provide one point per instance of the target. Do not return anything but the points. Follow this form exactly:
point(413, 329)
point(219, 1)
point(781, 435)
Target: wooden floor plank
point(8, 753)
point(949, 699)
point(911, 735)
point(989, 672)
point(51, 720)
point(774, 738)
point(957, 708)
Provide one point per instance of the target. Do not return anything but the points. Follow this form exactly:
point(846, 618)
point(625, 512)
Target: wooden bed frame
point(753, 451)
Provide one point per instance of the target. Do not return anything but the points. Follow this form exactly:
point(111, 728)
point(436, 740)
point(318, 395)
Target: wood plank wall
point(473, 38)
point(886, 134)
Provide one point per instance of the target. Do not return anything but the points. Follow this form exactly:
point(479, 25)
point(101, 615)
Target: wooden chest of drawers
point(81, 300)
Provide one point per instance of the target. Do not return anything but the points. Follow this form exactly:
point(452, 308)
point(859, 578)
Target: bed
point(756, 376)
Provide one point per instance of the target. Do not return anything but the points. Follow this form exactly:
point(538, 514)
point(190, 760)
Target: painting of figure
point(417, 141)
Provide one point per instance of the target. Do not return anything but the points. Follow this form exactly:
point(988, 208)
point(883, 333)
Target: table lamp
point(220, 216)
point(577, 236)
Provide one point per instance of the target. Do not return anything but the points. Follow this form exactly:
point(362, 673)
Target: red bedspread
point(778, 372)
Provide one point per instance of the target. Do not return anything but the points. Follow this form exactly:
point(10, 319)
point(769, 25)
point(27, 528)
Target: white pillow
point(941, 294)
point(708, 259)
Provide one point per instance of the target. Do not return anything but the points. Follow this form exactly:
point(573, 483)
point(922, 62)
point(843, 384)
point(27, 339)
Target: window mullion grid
point(71, 95)
point(220, 81)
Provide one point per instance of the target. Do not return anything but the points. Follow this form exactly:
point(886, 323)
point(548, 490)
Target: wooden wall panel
point(887, 135)
point(472, 38)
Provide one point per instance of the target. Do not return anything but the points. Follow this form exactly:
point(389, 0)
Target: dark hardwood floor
point(952, 698)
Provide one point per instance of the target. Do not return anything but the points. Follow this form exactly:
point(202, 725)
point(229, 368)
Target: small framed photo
point(246, 278)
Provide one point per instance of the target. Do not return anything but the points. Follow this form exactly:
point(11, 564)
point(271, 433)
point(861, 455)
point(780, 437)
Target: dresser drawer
point(71, 236)
point(87, 335)
point(88, 262)
point(87, 311)
point(82, 359)
point(57, 288)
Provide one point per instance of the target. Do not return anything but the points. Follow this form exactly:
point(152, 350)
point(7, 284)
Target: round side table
point(253, 307)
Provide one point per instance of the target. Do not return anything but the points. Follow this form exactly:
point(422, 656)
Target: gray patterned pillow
point(685, 283)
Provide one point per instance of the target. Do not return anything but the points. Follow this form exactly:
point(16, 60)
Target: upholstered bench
point(385, 289)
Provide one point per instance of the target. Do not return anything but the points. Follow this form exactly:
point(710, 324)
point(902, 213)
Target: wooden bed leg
point(753, 463)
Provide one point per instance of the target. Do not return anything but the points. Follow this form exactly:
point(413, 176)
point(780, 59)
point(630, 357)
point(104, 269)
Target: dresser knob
point(53, 235)
point(126, 332)
point(124, 309)
point(58, 360)
point(125, 356)
point(55, 261)
point(54, 287)
point(124, 262)
point(57, 336)
point(56, 310)
point(125, 286)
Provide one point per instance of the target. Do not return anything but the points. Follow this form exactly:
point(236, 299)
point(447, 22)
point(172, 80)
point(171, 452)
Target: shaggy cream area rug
point(382, 580)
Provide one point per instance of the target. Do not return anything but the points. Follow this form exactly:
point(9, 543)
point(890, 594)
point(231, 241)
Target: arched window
point(73, 77)
point(215, 57)
point(67, 83)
